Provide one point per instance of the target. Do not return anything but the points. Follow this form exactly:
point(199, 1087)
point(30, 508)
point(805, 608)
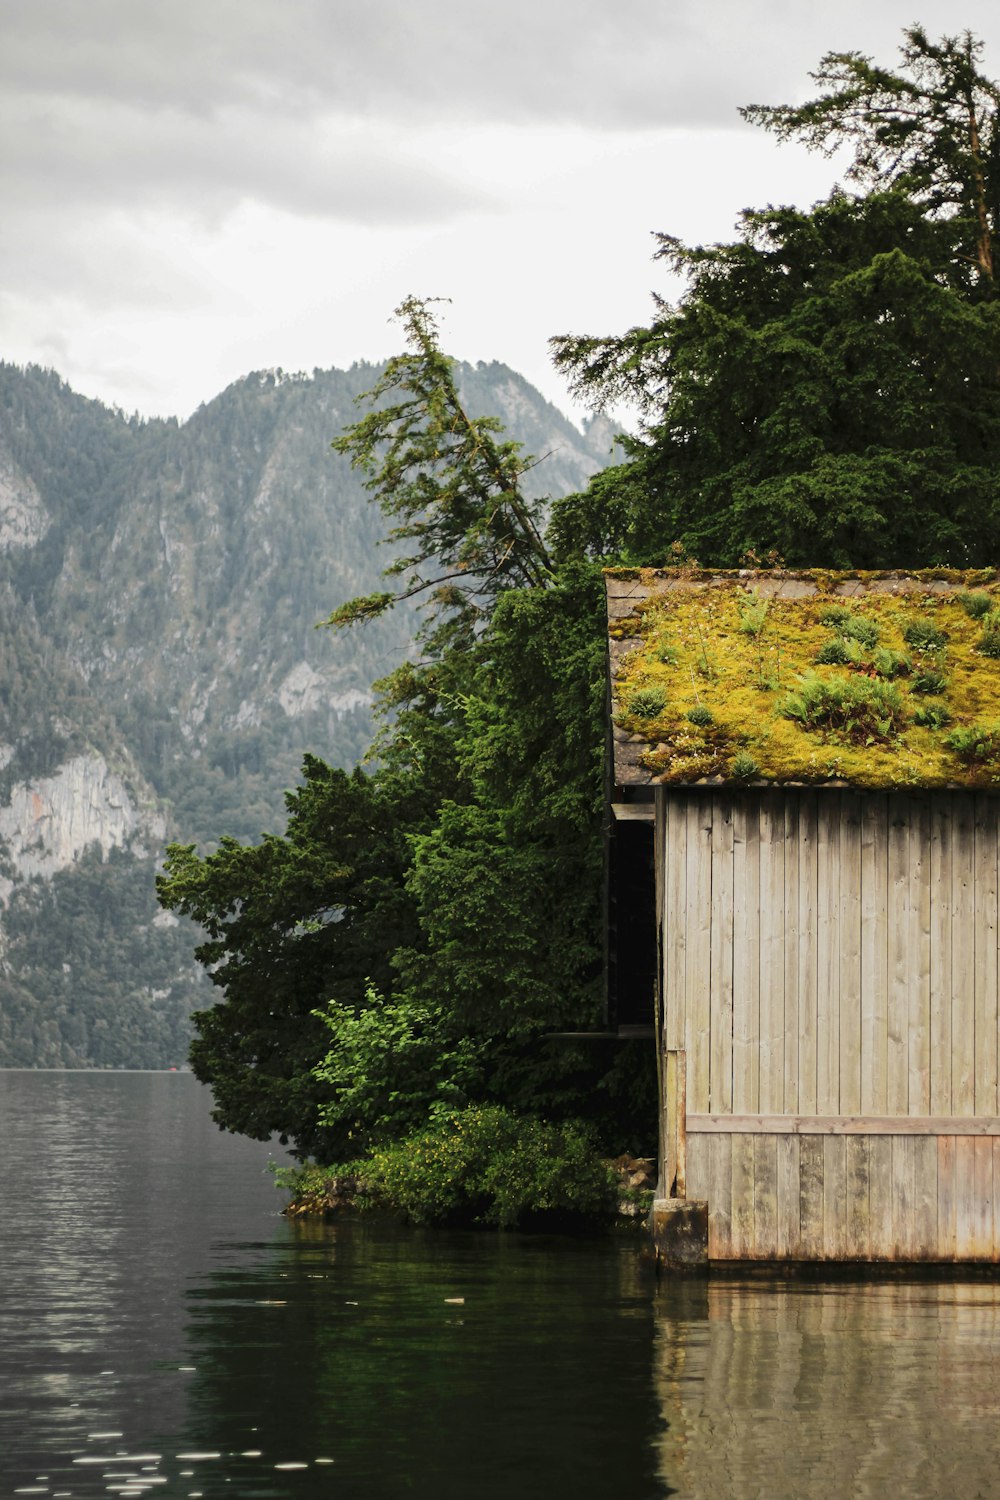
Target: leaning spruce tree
point(438, 909)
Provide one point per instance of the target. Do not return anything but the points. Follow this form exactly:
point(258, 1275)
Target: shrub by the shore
point(482, 1165)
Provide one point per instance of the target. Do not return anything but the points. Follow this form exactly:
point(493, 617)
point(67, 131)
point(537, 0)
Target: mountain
point(161, 673)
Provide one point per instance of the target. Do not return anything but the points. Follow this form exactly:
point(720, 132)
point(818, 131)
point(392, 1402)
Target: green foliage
point(833, 653)
point(508, 881)
point(600, 521)
point(850, 626)
point(365, 607)
point(289, 922)
point(852, 648)
point(701, 716)
point(889, 663)
point(974, 742)
point(825, 388)
point(753, 614)
point(454, 489)
point(391, 1066)
point(923, 635)
point(647, 702)
point(989, 641)
point(409, 942)
point(975, 602)
point(313, 1188)
point(931, 127)
point(932, 716)
point(490, 1166)
point(859, 708)
point(744, 766)
point(930, 681)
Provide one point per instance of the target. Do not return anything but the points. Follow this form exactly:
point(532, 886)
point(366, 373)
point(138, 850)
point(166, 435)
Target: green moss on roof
point(873, 680)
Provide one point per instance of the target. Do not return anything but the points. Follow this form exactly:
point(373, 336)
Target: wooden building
point(816, 760)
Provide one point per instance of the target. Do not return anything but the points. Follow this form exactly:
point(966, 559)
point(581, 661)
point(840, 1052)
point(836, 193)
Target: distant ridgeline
point(160, 673)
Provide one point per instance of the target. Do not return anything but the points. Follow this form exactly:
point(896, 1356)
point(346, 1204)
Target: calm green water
point(163, 1332)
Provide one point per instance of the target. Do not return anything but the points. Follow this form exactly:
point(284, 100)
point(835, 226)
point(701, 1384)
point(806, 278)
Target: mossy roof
point(872, 680)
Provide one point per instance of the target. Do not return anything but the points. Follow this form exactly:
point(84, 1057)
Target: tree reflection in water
point(349, 1343)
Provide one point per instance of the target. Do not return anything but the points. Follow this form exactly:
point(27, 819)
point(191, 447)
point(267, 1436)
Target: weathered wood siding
point(832, 953)
point(799, 1196)
point(833, 957)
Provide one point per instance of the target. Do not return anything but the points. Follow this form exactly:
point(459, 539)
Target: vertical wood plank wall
point(835, 954)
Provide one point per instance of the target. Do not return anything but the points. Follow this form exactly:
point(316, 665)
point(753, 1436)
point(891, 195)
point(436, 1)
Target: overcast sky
point(193, 189)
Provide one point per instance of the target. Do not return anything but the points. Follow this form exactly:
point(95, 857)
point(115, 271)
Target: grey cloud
point(634, 63)
point(436, 59)
point(304, 105)
point(57, 255)
point(77, 152)
point(120, 118)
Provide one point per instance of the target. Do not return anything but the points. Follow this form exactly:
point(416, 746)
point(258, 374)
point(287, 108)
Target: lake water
point(164, 1332)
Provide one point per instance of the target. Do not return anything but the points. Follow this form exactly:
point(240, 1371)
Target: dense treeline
point(825, 392)
point(91, 945)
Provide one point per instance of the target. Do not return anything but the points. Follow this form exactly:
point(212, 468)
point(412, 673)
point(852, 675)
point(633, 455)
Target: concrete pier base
point(680, 1233)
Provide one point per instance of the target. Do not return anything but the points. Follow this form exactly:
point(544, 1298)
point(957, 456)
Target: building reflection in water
point(797, 1390)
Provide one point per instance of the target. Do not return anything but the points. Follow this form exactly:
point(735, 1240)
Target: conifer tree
point(826, 388)
point(440, 908)
point(930, 128)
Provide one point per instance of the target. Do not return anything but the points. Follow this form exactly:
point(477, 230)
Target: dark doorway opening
point(631, 924)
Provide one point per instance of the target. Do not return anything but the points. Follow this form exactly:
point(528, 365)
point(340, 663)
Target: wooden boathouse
point(814, 759)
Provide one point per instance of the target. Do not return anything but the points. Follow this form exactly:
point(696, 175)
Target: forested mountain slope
point(161, 673)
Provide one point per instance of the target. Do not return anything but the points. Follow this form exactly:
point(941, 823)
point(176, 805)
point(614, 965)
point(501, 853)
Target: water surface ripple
point(163, 1332)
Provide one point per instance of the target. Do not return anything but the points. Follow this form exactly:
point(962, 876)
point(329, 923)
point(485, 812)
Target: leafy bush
point(865, 632)
point(391, 1065)
point(753, 613)
point(491, 1166)
point(846, 623)
point(974, 742)
point(862, 709)
point(976, 603)
point(930, 682)
point(923, 635)
point(932, 716)
point(989, 641)
point(833, 654)
point(843, 651)
point(888, 663)
point(701, 716)
point(834, 615)
point(647, 702)
point(314, 1189)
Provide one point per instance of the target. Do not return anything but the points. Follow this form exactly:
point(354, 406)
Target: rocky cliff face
point(51, 821)
point(23, 518)
point(161, 673)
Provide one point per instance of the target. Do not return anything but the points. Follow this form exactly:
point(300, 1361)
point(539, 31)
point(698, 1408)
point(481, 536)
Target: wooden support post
point(679, 1226)
point(675, 1113)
